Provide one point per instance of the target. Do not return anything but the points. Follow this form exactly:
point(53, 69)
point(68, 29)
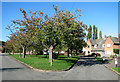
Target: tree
point(90, 31)
point(116, 51)
point(37, 31)
point(100, 34)
point(25, 29)
point(109, 36)
point(96, 33)
point(89, 36)
point(9, 46)
point(3, 49)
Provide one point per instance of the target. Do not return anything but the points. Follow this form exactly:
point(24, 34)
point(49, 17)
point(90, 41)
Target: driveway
point(87, 68)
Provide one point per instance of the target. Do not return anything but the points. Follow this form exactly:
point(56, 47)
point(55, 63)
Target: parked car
point(96, 54)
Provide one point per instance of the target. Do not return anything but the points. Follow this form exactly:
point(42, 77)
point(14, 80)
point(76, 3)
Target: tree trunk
point(76, 52)
point(43, 52)
point(13, 51)
point(24, 52)
point(29, 52)
point(32, 52)
point(68, 53)
point(71, 53)
point(49, 55)
point(58, 53)
point(37, 52)
point(20, 52)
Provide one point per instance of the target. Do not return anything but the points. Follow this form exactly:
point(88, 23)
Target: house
point(103, 46)
point(95, 46)
point(110, 44)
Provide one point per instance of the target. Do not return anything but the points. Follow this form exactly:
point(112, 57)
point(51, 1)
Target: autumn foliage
point(36, 31)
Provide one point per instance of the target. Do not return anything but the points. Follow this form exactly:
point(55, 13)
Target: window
point(88, 51)
point(103, 45)
point(108, 45)
point(95, 46)
point(88, 46)
point(108, 52)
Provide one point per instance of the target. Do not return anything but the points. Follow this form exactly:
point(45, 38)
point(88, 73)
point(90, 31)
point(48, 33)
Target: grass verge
point(42, 62)
point(117, 69)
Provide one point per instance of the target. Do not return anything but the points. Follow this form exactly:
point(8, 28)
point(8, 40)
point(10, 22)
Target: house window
point(103, 45)
point(108, 52)
point(88, 51)
point(95, 46)
point(88, 46)
point(108, 45)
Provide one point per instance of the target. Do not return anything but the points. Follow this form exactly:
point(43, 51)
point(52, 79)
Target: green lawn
point(42, 61)
point(99, 59)
point(117, 69)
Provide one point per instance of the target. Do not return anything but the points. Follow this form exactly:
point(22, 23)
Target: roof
point(117, 43)
point(99, 43)
point(114, 39)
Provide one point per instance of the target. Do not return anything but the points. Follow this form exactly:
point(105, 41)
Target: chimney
point(105, 37)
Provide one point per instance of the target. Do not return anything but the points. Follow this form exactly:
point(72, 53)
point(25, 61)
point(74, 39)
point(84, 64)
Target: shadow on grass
point(39, 56)
point(68, 60)
point(43, 57)
point(62, 57)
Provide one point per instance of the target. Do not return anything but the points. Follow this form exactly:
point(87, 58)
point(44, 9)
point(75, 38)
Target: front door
point(108, 52)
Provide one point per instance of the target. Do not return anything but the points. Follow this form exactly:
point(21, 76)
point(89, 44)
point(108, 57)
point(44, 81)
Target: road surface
point(87, 68)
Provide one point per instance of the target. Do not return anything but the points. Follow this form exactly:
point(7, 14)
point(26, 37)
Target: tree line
point(93, 33)
point(37, 31)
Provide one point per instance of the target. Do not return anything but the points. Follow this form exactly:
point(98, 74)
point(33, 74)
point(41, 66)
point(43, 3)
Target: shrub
point(115, 55)
point(17, 51)
point(116, 51)
point(55, 56)
point(8, 51)
point(74, 53)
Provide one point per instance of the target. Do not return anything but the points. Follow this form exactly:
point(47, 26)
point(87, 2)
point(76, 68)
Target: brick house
point(95, 46)
point(103, 46)
point(110, 44)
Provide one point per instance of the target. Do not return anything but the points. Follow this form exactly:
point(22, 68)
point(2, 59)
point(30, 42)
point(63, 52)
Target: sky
point(104, 15)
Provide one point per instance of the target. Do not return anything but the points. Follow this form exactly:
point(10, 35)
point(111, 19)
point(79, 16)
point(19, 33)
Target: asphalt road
point(85, 69)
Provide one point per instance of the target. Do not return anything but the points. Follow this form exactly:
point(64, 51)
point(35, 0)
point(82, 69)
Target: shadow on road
point(87, 61)
point(9, 69)
point(3, 55)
